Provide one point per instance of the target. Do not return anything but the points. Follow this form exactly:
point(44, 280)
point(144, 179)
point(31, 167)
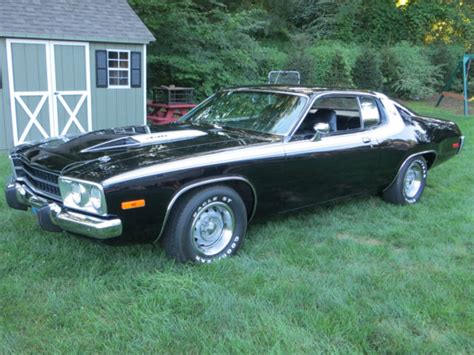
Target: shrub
point(447, 58)
point(366, 73)
point(300, 60)
point(408, 72)
point(339, 72)
point(323, 55)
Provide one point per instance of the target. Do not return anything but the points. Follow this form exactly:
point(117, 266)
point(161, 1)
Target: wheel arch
point(239, 183)
point(428, 155)
point(430, 158)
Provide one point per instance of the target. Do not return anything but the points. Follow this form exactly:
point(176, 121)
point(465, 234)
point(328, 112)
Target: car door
point(340, 164)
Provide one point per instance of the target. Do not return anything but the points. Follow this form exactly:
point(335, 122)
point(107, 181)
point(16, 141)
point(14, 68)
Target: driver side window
point(340, 113)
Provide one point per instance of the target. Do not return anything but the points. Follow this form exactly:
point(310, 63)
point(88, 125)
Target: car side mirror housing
point(320, 129)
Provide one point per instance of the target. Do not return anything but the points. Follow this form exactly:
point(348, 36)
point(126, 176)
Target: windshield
point(261, 112)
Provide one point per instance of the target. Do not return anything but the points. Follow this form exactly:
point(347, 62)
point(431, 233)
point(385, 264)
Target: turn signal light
point(128, 205)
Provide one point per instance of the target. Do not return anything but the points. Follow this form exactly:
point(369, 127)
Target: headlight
point(96, 198)
point(78, 193)
point(83, 195)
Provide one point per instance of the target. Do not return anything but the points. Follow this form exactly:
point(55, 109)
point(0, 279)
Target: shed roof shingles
point(88, 20)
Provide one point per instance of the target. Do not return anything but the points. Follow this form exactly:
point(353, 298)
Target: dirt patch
point(453, 105)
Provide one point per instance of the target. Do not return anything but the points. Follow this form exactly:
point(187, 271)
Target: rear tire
point(206, 225)
point(409, 183)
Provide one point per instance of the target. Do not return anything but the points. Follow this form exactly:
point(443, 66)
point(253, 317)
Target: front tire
point(409, 184)
point(206, 225)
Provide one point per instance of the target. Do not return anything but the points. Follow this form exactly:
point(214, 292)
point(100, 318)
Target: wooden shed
point(70, 66)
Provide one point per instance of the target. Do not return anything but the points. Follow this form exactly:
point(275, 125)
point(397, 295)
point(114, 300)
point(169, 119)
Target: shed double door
point(49, 88)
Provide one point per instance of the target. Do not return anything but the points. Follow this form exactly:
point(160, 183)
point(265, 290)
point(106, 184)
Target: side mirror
point(321, 129)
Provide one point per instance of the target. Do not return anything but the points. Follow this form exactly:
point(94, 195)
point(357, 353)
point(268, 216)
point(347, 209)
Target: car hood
point(99, 155)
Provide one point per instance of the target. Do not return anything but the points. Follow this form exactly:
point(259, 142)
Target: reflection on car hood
point(102, 154)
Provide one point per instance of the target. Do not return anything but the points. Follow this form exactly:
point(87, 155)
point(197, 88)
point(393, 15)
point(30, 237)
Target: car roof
point(301, 89)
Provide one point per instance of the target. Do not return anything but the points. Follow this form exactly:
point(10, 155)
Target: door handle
point(366, 140)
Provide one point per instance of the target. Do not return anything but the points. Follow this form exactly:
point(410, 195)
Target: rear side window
point(370, 112)
point(404, 114)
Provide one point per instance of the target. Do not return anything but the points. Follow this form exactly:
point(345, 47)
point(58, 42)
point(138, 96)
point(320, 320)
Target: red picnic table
point(169, 103)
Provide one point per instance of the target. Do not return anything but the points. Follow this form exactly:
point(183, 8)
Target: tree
point(202, 46)
point(366, 73)
point(339, 75)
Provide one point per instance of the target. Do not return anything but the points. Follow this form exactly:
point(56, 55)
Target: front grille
point(41, 180)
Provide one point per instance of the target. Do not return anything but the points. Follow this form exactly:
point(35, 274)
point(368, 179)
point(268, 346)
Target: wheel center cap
point(211, 227)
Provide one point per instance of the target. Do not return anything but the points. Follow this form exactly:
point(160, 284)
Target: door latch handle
point(366, 140)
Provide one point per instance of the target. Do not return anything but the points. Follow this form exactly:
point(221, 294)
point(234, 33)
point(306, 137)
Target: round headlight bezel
point(78, 192)
point(95, 198)
point(83, 195)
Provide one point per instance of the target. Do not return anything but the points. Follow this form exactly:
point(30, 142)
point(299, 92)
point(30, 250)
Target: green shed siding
point(6, 138)
point(70, 71)
point(70, 67)
point(110, 107)
point(116, 107)
point(29, 67)
point(30, 74)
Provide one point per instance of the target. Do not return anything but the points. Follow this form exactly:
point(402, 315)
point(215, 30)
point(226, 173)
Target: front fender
point(161, 194)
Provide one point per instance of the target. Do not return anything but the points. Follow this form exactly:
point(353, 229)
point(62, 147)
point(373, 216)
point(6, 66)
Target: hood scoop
point(145, 139)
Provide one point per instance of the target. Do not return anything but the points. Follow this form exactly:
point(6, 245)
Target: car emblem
point(105, 159)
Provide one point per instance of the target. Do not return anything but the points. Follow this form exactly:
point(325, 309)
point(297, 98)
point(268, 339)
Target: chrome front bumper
point(74, 222)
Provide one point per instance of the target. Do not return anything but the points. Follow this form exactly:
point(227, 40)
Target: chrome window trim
point(189, 187)
point(186, 116)
point(406, 161)
point(336, 93)
point(279, 92)
point(272, 91)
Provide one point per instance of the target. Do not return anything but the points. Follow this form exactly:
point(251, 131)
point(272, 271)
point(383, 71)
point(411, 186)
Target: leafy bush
point(300, 60)
point(366, 73)
point(339, 73)
point(324, 55)
point(205, 47)
point(447, 59)
point(208, 44)
point(409, 73)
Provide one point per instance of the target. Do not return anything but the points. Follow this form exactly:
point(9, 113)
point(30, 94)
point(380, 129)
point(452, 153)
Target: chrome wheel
point(212, 228)
point(413, 180)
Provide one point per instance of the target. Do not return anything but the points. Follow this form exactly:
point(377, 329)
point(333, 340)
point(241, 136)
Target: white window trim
point(109, 69)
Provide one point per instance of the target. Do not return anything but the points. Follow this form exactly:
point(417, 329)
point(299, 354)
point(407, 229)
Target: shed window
point(118, 68)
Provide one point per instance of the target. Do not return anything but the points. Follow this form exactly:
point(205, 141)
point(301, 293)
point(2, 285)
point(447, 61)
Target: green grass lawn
point(359, 276)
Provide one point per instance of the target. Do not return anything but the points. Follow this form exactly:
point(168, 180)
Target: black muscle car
point(195, 184)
